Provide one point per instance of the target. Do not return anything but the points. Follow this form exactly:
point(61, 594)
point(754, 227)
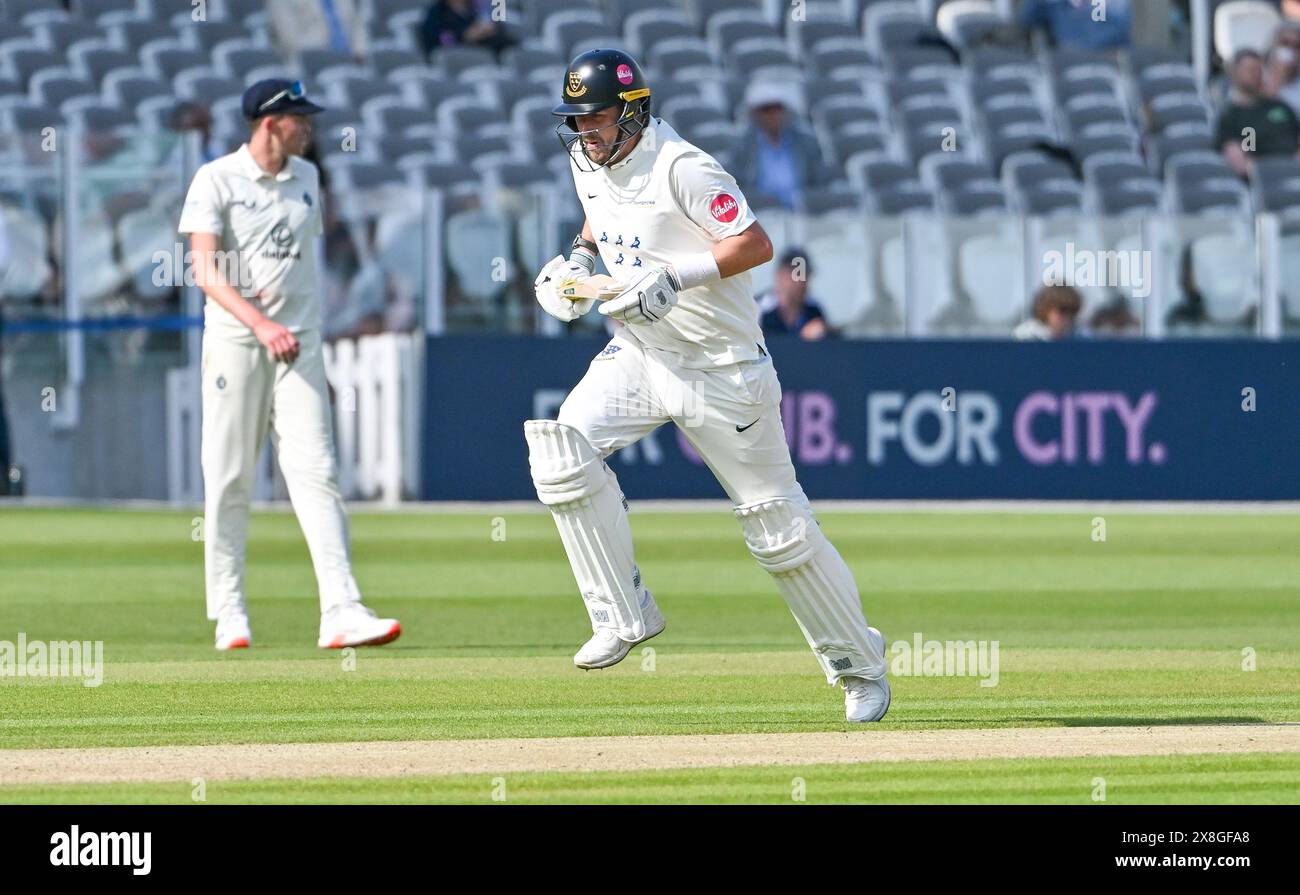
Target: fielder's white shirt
point(666, 199)
point(269, 223)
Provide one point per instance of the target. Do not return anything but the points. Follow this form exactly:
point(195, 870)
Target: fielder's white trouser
point(245, 396)
point(629, 392)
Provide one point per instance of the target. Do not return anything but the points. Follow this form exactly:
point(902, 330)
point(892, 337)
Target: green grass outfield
point(1184, 780)
point(1148, 627)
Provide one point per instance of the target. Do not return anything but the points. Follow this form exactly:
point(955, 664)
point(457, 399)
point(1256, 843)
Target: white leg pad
point(783, 535)
point(591, 515)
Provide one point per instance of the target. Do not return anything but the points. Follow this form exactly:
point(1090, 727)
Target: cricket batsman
point(253, 217)
point(672, 227)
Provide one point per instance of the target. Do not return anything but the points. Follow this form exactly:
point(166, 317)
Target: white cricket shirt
point(666, 199)
point(267, 223)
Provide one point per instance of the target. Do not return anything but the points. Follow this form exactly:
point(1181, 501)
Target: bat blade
point(598, 286)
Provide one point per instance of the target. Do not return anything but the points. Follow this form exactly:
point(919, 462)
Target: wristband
point(581, 256)
point(696, 270)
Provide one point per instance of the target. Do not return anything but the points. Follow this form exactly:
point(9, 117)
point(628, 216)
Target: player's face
point(599, 132)
point(293, 132)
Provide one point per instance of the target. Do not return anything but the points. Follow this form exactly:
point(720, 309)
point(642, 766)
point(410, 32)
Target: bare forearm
point(737, 254)
point(214, 284)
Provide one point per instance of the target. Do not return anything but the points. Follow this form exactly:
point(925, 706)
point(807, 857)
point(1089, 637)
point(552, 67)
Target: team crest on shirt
point(282, 234)
point(282, 243)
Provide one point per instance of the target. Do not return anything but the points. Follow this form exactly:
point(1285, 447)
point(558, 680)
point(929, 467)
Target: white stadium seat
point(989, 269)
point(1244, 25)
point(1227, 285)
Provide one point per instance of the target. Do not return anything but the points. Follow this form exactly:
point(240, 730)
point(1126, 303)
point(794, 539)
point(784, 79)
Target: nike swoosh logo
point(743, 428)
point(591, 195)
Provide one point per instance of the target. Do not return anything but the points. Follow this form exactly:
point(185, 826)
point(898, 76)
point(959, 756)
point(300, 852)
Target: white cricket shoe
point(233, 632)
point(866, 700)
point(354, 624)
point(605, 648)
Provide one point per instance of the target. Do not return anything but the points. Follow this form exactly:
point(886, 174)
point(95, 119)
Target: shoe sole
point(237, 643)
point(621, 657)
point(341, 642)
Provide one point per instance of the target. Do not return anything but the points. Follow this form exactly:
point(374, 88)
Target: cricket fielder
point(253, 217)
point(672, 227)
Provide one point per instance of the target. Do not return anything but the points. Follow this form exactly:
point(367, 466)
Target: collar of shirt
point(256, 172)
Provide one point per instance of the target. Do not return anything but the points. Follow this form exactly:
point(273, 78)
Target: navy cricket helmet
point(597, 80)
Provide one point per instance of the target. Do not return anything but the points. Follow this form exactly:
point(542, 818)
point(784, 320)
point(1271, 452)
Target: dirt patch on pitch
point(631, 753)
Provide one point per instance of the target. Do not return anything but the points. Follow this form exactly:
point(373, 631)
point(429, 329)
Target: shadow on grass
point(1157, 722)
point(1048, 721)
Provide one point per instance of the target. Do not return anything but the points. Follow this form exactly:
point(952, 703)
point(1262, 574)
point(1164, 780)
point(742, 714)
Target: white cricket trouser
point(246, 395)
point(731, 415)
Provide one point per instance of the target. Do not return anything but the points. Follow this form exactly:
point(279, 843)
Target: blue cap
point(277, 96)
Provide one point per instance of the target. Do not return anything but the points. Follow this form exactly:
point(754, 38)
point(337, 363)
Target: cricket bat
point(598, 286)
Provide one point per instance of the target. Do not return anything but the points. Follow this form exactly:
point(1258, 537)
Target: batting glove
point(645, 301)
point(556, 273)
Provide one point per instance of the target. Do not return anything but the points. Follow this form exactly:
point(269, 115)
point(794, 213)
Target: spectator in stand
point(318, 25)
point(1056, 314)
point(194, 116)
point(1282, 67)
point(787, 309)
point(777, 157)
point(1115, 319)
point(1081, 24)
point(466, 22)
point(1253, 123)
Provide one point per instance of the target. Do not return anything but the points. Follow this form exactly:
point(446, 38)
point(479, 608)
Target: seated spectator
point(777, 157)
point(468, 22)
point(1115, 320)
point(194, 116)
point(1081, 24)
point(1056, 314)
point(1282, 68)
point(787, 309)
point(1252, 123)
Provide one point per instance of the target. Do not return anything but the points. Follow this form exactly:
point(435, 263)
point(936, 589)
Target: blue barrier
point(1083, 420)
point(98, 324)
